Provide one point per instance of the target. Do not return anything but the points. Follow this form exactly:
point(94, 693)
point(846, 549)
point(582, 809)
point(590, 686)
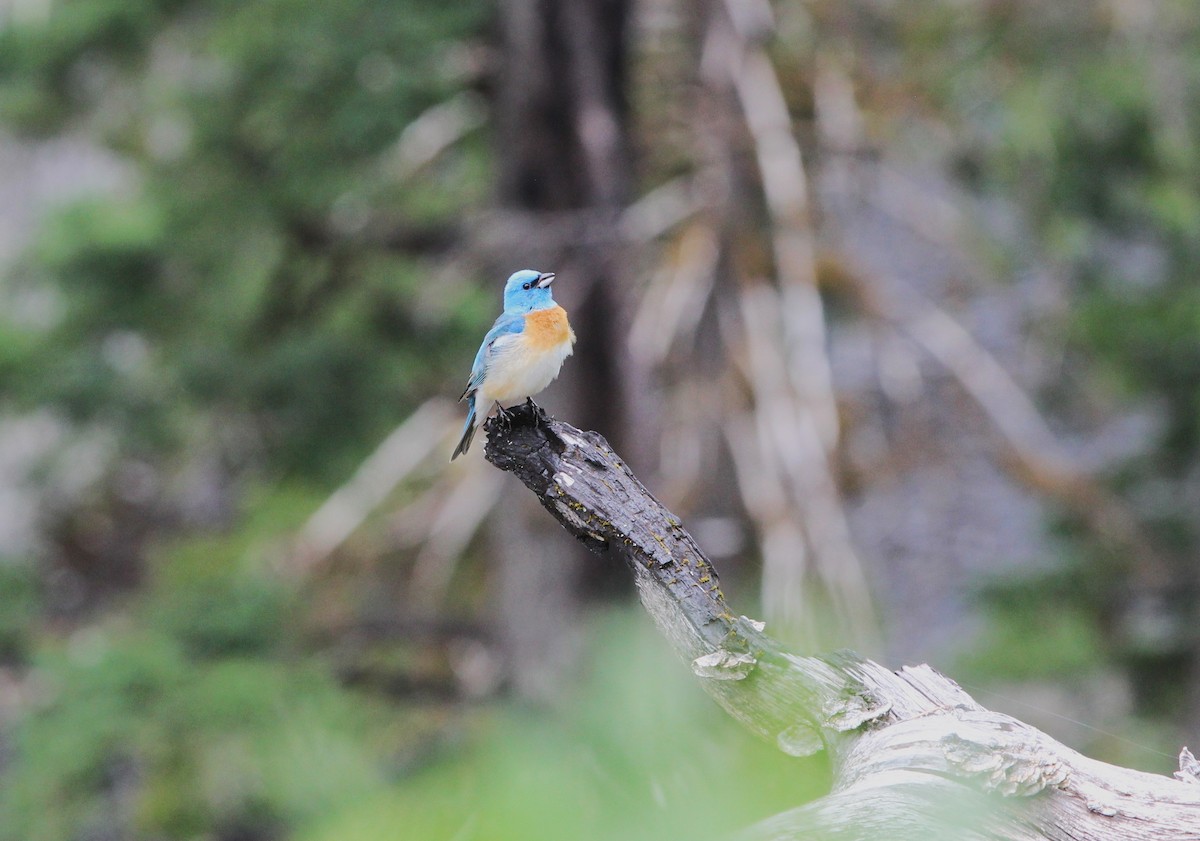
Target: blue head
point(528, 290)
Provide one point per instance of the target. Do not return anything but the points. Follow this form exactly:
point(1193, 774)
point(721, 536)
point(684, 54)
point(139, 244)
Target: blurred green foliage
point(173, 743)
point(621, 760)
point(239, 298)
point(240, 283)
point(134, 735)
point(20, 608)
point(1083, 124)
point(1027, 642)
point(1090, 123)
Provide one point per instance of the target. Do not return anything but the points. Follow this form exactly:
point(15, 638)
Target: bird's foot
point(504, 418)
point(536, 412)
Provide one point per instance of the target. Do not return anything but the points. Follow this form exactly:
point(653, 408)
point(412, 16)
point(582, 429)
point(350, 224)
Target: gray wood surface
point(913, 755)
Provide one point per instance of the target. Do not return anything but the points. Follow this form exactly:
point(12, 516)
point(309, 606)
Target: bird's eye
point(526, 285)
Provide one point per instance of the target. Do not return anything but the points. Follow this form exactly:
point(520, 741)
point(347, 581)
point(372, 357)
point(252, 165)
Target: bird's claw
point(504, 419)
point(536, 412)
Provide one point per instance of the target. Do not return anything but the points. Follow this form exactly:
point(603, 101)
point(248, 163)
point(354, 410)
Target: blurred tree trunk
point(562, 135)
point(562, 113)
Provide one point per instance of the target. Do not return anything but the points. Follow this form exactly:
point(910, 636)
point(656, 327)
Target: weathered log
point(913, 755)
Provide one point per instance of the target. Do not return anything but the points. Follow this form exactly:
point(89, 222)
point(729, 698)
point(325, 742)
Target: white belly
point(518, 373)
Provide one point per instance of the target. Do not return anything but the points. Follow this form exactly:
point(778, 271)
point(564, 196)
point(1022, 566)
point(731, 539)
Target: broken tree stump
point(913, 755)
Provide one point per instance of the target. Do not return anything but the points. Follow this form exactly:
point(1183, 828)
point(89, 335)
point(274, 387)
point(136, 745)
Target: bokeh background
point(894, 303)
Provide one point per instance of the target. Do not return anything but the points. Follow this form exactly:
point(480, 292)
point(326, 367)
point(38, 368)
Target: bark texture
point(914, 756)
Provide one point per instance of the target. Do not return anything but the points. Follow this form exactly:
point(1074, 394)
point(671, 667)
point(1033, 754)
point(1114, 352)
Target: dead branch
point(1031, 453)
point(431, 133)
point(913, 755)
point(782, 339)
point(346, 509)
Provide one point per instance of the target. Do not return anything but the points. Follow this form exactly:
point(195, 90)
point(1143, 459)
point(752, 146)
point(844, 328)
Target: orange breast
point(547, 329)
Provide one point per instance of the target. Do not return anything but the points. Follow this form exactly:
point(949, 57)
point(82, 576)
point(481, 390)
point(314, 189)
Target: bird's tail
point(468, 432)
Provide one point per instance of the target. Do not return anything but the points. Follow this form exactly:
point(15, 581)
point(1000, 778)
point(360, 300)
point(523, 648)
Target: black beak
point(545, 279)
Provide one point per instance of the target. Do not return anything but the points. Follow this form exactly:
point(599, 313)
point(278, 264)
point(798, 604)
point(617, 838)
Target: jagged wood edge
point(894, 738)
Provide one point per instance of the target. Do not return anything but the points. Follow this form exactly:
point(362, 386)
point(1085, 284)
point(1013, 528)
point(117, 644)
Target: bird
point(521, 354)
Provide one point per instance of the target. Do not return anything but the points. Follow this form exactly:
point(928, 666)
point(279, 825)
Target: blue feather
point(507, 324)
point(468, 432)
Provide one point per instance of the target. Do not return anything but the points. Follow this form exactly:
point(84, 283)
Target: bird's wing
point(507, 327)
